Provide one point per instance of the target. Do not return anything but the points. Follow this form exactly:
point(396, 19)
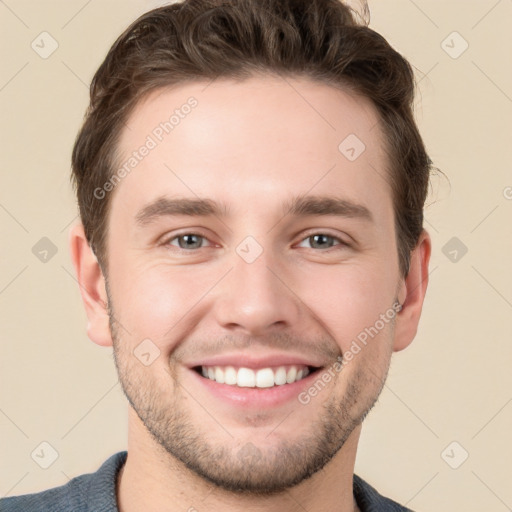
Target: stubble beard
point(239, 466)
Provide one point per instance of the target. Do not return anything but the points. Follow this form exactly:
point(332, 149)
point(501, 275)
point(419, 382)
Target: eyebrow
point(164, 207)
point(327, 205)
point(300, 206)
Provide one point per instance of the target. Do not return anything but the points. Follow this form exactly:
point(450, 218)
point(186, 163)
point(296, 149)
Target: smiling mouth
point(256, 378)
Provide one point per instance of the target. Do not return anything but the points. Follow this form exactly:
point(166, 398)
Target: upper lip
point(246, 360)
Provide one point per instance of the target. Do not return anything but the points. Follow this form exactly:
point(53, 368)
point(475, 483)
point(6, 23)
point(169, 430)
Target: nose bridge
point(254, 298)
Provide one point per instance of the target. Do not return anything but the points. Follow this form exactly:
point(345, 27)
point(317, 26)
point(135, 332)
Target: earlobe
point(92, 287)
point(412, 293)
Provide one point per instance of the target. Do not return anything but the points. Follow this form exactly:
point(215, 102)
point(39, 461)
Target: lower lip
point(256, 397)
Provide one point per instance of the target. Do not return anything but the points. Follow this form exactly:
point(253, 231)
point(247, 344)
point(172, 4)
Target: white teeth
point(230, 375)
point(219, 375)
point(264, 378)
point(280, 376)
point(249, 378)
point(290, 376)
point(246, 378)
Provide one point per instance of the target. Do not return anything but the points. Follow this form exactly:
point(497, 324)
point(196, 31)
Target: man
point(251, 184)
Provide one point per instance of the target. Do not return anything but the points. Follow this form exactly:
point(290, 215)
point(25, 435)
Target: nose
point(256, 297)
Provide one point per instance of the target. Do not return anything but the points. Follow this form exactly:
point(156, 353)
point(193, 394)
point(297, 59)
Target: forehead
point(261, 138)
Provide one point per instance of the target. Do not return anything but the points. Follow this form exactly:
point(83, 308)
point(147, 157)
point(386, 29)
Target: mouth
point(263, 378)
point(254, 382)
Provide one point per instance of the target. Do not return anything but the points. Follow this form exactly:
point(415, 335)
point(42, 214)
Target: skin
point(252, 145)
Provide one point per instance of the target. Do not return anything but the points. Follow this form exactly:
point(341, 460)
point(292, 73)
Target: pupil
point(321, 240)
point(190, 241)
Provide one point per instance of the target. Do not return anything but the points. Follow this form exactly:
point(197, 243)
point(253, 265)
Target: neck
point(153, 480)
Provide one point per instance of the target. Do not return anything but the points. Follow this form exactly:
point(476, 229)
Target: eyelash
point(340, 243)
point(176, 237)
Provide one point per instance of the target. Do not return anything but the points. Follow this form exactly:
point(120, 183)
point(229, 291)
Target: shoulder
point(91, 492)
point(369, 500)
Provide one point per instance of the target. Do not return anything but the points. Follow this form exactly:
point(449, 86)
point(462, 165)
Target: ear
point(92, 287)
point(412, 292)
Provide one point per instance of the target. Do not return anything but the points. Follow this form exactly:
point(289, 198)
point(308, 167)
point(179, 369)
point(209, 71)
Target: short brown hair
point(206, 39)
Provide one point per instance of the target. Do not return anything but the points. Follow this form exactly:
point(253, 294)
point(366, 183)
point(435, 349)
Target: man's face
point(253, 278)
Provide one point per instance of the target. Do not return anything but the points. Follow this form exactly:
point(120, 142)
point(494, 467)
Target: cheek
point(157, 298)
point(349, 300)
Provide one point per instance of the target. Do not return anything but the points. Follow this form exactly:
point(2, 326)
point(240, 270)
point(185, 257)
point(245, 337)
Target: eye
point(322, 241)
point(188, 241)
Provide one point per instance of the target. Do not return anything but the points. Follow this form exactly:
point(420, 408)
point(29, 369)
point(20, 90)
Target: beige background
point(452, 384)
